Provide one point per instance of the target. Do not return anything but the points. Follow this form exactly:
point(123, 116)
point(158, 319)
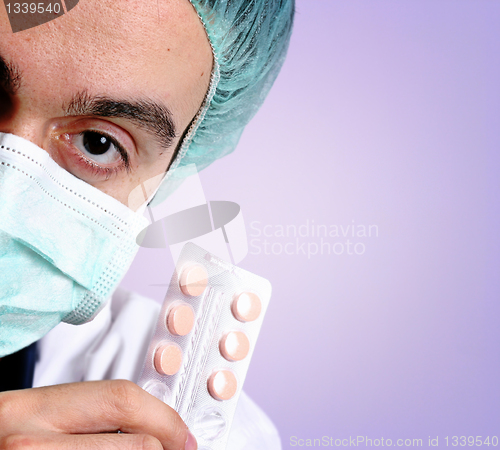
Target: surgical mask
point(64, 245)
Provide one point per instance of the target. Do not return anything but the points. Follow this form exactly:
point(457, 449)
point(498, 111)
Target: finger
point(103, 406)
point(55, 441)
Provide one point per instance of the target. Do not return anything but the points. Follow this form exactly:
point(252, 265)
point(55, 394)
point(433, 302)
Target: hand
point(88, 416)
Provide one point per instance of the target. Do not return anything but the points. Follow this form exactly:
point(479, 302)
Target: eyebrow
point(153, 117)
point(10, 76)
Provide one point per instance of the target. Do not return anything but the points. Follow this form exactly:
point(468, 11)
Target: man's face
point(107, 89)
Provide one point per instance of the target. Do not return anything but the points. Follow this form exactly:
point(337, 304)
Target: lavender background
point(386, 113)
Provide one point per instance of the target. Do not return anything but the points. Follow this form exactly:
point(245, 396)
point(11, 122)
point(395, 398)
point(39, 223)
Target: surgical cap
point(249, 39)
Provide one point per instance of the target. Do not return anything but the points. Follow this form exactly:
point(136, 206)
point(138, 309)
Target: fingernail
point(191, 443)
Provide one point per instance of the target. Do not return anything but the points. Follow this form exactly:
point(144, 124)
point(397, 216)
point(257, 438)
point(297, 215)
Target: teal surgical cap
point(249, 40)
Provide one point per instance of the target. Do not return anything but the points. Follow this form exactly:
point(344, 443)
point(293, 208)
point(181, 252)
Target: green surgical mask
point(64, 245)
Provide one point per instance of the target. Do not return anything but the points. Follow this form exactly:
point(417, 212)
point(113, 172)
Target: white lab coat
point(113, 346)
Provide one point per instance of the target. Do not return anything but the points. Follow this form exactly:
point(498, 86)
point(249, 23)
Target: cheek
point(123, 188)
point(119, 189)
point(134, 189)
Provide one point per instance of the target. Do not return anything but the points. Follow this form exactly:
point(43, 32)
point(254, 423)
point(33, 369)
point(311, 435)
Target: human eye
point(99, 147)
point(93, 150)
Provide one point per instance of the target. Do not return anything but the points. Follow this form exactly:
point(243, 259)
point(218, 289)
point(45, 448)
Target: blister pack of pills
point(204, 339)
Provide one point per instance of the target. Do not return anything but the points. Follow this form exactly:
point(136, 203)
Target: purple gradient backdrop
point(385, 113)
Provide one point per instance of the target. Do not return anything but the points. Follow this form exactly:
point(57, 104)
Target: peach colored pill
point(222, 385)
point(234, 346)
point(168, 359)
point(194, 280)
point(180, 319)
point(247, 307)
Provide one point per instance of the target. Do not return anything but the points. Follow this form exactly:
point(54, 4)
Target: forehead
point(137, 47)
